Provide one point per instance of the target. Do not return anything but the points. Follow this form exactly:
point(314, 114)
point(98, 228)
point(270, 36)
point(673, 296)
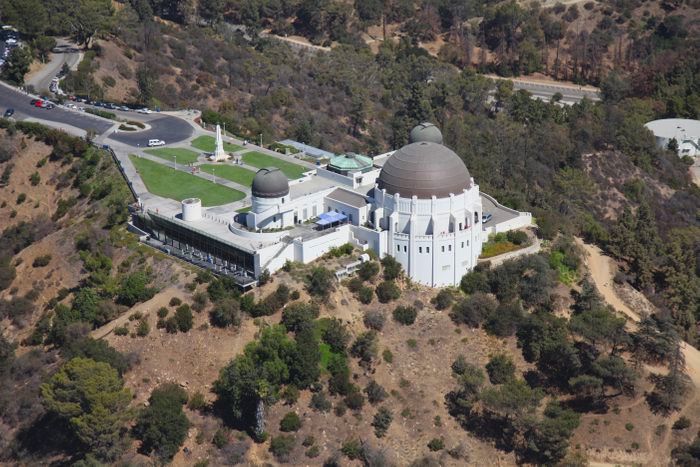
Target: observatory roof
point(425, 132)
point(270, 183)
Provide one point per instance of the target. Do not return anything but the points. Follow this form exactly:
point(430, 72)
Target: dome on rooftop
point(270, 183)
point(350, 162)
point(424, 169)
point(425, 132)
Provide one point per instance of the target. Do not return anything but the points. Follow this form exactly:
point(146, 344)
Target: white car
point(156, 142)
point(144, 111)
point(71, 106)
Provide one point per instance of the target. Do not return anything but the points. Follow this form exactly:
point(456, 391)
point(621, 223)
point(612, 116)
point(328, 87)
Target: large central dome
point(424, 169)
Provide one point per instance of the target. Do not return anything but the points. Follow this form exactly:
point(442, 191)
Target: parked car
point(144, 111)
point(156, 142)
point(9, 113)
point(33, 101)
point(486, 217)
point(71, 106)
point(125, 108)
point(38, 103)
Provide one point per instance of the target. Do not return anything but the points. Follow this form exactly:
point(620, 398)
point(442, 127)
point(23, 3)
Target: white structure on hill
point(686, 132)
point(418, 204)
point(219, 153)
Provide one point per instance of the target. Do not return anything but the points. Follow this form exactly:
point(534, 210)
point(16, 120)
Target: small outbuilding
point(685, 131)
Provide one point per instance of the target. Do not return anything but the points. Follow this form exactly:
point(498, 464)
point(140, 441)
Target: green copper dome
point(350, 162)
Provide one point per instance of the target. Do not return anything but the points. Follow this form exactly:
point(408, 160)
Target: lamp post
point(175, 161)
point(261, 140)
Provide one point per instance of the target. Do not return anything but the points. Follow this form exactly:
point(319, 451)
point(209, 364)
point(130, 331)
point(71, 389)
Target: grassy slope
point(180, 155)
point(235, 174)
point(258, 159)
point(164, 181)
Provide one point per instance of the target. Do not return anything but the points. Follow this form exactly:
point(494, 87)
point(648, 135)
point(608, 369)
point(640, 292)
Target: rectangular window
point(449, 247)
point(420, 249)
point(443, 248)
point(427, 249)
point(405, 249)
point(467, 242)
point(462, 244)
point(398, 247)
point(350, 217)
point(460, 226)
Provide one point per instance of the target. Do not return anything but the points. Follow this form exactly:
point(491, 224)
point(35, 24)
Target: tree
point(473, 310)
point(374, 319)
point(511, 400)
point(211, 10)
point(405, 315)
point(134, 288)
point(443, 299)
point(290, 422)
point(91, 396)
point(475, 281)
point(388, 291)
point(146, 80)
point(368, 270)
point(43, 45)
point(298, 315)
point(183, 318)
point(29, 16)
point(87, 18)
point(392, 268)
point(97, 350)
point(365, 347)
point(17, 65)
point(336, 335)
point(375, 392)
point(162, 426)
point(382, 421)
point(304, 368)
point(500, 369)
point(226, 313)
point(320, 282)
point(547, 440)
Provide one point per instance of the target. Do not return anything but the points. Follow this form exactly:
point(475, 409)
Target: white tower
point(219, 154)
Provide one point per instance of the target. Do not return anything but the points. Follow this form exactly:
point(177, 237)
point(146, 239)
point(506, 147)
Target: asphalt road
point(10, 98)
point(64, 52)
point(169, 129)
point(499, 214)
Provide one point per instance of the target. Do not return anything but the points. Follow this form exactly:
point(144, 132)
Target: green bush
point(517, 237)
point(290, 422)
point(162, 312)
point(281, 446)
point(381, 422)
point(365, 295)
point(436, 444)
point(500, 369)
point(121, 331)
point(374, 319)
point(320, 402)
point(162, 426)
point(352, 449)
point(682, 423)
point(225, 313)
point(443, 299)
point(368, 271)
point(21, 198)
point(405, 315)
point(388, 291)
point(101, 113)
point(183, 318)
point(175, 301)
point(197, 401)
point(220, 438)
point(392, 268)
point(41, 261)
point(35, 179)
point(143, 328)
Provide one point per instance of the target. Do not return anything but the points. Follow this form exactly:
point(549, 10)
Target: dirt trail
point(602, 272)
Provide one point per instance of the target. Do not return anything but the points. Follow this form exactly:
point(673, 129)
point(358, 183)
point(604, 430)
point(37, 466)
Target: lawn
point(208, 143)
point(260, 160)
point(179, 155)
point(230, 172)
point(167, 182)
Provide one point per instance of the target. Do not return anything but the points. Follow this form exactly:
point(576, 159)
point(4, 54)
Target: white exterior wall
point(309, 250)
point(275, 213)
point(436, 240)
point(356, 216)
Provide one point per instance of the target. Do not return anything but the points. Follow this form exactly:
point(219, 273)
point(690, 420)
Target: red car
point(39, 103)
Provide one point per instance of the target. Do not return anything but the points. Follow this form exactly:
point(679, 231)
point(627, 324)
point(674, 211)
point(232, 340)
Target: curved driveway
point(168, 128)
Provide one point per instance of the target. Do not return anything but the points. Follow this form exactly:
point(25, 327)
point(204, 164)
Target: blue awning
point(328, 218)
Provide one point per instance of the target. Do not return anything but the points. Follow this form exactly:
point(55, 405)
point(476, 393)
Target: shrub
point(436, 444)
point(336, 336)
point(312, 452)
point(375, 392)
point(365, 295)
point(340, 409)
point(443, 299)
point(281, 446)
point(352, 449)
point(294, 295)
point(220, 438)
point(41, 261)
point(21, 198)
point(355, 284)
point(298, 314)
point(225, 313)
point(405, 315)
point(682, 423)
point(517, 237)
point(175, 301)
point(290, 394)
point(197, 401)
point(171, 325)
point(392, 268)
point(374, 319)
point(320, 282)
point(290, 422)
point(388, 356)
point(183, 318)
point(365, 347)
point(162, 312)
point(162, 426)
point(629, 426)
point(500, 369)
point(473, 310)
point(142, 329)
point(474, 281)
point(388, 291)
point(320, 402)
point(355, 400)
point(381, 422)
point(368, 270)
point(35, 179)
point(121, 331)
point(199, 301)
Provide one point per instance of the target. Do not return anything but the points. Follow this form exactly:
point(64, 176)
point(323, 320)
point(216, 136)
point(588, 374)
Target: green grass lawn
point(179, 155)
point(229, 172)
point(208, 143)
point(260, 160)
point(167, 182)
